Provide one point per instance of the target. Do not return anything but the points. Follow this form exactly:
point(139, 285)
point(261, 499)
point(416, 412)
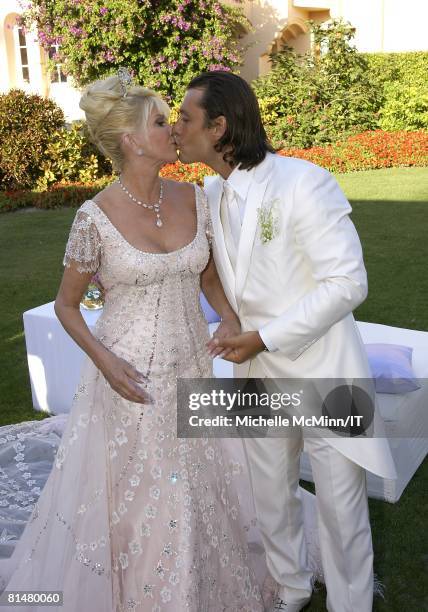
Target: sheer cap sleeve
point(83, 250)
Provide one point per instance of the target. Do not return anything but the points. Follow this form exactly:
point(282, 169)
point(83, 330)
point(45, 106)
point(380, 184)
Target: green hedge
point(411, 66)
point(403, 81)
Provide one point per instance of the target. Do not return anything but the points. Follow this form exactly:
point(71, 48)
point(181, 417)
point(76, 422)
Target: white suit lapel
point(254, 200)
point(214, 188)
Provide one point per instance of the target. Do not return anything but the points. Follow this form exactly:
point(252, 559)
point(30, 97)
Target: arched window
point(9, 38)
point(295, 35)
point(23, 65)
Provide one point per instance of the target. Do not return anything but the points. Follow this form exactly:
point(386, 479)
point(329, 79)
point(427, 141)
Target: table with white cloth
point(55, 363)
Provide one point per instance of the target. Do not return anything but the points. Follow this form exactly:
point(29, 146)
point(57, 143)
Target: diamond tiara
point(125, 79)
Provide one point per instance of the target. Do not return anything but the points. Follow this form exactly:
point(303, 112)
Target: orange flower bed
point(369, 150)
point(192, 173)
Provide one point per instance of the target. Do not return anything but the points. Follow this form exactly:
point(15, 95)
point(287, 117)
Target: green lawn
point(390, 211)
point(391, 215)
point(392, 184)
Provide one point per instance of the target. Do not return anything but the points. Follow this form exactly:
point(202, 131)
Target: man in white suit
point(291, 264)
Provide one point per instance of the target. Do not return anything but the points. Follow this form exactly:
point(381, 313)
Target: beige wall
point(10, 62)
point(381, 25)
point(66, 96)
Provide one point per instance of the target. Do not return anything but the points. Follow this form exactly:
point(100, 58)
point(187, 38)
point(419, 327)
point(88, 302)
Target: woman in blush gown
point(131, 518)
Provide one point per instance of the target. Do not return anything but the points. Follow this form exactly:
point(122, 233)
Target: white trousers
point(343, 518)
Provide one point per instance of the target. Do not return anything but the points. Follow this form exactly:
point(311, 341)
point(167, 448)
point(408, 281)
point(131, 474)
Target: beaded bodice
point(152, 312)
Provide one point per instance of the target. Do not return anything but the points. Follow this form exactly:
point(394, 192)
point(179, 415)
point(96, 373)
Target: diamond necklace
point(155, 207)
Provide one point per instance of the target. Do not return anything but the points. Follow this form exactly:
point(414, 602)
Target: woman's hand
point(124, 378)
point(242, 347)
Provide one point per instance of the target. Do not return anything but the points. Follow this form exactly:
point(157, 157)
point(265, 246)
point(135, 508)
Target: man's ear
point(218, 127)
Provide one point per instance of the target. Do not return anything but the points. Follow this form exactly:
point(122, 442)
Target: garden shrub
point(321, 96)
point(70, 156)
point(26, 125)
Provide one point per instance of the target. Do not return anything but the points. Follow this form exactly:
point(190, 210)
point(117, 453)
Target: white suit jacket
point(301, 287)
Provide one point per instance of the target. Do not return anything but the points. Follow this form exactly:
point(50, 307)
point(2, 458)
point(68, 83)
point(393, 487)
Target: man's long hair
point(244, 142)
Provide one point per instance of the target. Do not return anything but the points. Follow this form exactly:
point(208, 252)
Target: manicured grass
point(390, 211)
point(390, 184)
point(31, 250)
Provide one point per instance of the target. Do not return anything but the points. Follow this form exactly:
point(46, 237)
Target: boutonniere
point(268, 220)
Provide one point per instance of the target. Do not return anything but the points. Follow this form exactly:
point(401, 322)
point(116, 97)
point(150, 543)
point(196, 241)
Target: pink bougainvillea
point(164, 42)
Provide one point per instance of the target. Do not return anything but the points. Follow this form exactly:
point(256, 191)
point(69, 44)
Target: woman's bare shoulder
point(106, 197)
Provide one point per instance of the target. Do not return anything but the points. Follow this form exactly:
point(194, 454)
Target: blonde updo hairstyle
point(110, 114)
